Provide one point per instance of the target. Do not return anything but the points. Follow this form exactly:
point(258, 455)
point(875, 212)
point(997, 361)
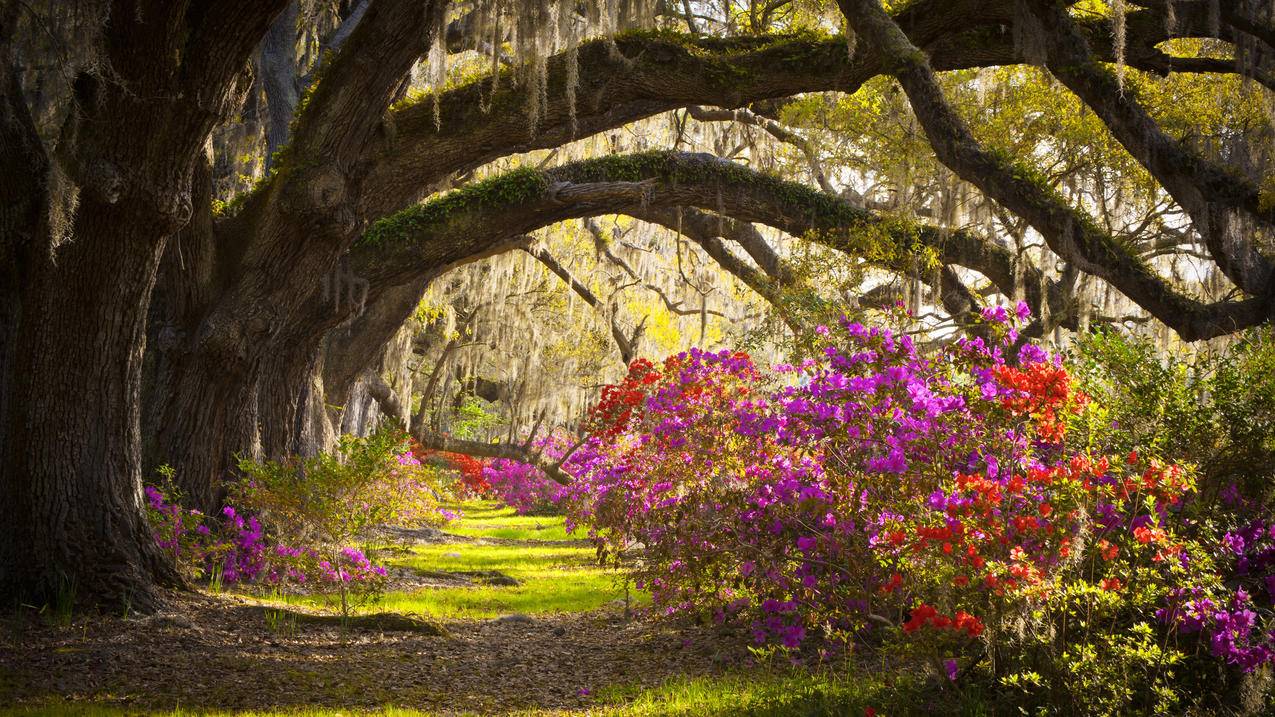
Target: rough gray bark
point(247, 338)
point(70, 492)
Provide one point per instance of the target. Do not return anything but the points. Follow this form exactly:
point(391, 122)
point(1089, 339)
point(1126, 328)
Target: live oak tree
point(125, 274)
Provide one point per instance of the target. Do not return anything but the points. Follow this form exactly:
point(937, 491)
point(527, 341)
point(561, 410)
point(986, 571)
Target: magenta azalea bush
point(292, 523)
point(524, 487)
point(935, 501)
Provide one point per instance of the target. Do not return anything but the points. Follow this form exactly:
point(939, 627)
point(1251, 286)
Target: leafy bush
point(981, 514)
point(294, 521)
point(332, 498)
point(1217, 411)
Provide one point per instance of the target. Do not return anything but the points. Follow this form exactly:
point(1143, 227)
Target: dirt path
point(220, 652)
point(216, 652)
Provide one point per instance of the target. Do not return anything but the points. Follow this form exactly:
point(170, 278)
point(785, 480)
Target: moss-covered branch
point(1070, 233)
point(640, 74)
point(480, 218)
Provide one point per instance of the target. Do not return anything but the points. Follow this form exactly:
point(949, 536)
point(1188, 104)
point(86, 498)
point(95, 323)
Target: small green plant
point(320, 506)
point(62, 610)
point(280, 622)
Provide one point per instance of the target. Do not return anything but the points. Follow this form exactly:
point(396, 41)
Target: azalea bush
point(470, 479)
point(525, 487)
point(295, 522)
point(319, 506)
point(936, 501)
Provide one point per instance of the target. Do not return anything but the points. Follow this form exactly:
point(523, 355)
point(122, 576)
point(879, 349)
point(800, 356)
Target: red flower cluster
point(1044, 393)
point(472, 482)
point(620, 402)
point(927, 615)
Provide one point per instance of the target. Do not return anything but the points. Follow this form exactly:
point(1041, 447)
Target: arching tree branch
point(1070, 233)
point(639, 75)
point(444, 230)
point(1207, 191)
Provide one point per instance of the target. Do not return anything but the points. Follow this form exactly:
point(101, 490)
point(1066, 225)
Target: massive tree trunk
point(72, 502)
point(75, 321)
point(250, 342)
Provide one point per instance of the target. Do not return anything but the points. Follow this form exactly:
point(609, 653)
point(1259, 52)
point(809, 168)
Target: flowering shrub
point(621, 403)
point(292, 522)
point(472, 481)
point(524, 487)
point(336, 497)
point(935, 497)
point(235, 550)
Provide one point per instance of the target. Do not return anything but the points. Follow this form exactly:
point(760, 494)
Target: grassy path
point(493, 563)
point(558, 642)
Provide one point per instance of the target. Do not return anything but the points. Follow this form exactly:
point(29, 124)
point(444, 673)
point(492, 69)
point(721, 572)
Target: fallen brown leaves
point(220, 652)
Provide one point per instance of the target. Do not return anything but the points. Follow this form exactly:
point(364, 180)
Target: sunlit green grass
point(545, 593)
point(554, 578)
point(510, 531)
point(489, 519)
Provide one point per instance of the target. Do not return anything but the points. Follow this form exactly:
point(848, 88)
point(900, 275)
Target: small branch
point(626, 345)
point(774, 129)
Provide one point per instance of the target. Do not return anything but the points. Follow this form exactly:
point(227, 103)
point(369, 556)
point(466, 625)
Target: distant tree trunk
point(292, 402)
point(278, 65)
point(207, 420)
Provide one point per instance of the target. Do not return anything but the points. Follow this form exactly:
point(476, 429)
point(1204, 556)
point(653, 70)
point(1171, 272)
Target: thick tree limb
point(640, 75)
point(1207, 191)
point(443, 230)
point(508, 451)
point(1069, 233)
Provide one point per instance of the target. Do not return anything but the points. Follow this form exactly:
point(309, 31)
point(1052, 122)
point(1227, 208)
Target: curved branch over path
point(641, 74)
point(1070, 233)
point(471, 220)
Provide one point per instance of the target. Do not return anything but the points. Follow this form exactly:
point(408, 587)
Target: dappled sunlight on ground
point(560, 639)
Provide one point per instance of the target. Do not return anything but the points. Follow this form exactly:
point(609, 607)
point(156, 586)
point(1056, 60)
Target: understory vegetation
point(993, 522)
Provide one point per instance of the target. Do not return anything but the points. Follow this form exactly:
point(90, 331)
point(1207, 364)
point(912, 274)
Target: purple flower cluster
point(1231, 625)
point(236, 549)
point(245, 554)
point(524, 487)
